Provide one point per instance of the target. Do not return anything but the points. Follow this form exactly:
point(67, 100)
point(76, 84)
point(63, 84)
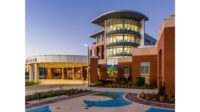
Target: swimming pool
point(117, 100)
point(39, 109)
point(152, 109)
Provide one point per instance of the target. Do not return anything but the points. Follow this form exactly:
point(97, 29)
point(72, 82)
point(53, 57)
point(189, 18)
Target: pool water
point(159, 110)
point(40, 109)
point(117, 100)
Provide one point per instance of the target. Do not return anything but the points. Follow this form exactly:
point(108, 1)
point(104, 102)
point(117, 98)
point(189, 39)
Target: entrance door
point(57, 73)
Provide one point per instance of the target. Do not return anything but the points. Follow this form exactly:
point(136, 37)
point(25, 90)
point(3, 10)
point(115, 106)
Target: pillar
point(93, 70)
point(103, 72)
point(142, 30)
point(82, 73)
point(73, 74)
point(63, 73)
point(36, 72)
point(49, 74)
point(30, 71)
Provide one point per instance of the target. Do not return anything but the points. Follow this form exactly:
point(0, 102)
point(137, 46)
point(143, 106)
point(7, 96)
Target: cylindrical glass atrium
point(122, 35)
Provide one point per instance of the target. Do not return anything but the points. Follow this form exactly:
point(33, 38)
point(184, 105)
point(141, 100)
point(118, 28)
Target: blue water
point(40, 109)
point(119, 101)
point(159, 110)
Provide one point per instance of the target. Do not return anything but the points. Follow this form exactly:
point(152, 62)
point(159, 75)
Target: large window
point(145, 68)
point(119, 50)
point(113, 38)
point(114, 24)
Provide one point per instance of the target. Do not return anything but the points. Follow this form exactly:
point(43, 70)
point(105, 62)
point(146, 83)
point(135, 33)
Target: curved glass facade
point(114, 24)
point(119, 50)
point(120, 36)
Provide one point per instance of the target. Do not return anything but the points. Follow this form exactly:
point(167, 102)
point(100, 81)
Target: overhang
point(118, 13)
point(97, 34)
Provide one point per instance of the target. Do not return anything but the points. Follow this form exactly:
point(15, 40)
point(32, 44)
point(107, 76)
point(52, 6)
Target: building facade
point(124, 44)
point(123, 31)
point(65, 67)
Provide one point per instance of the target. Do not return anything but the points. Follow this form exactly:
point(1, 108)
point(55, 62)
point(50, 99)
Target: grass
point(31, 83)
point(108, 94)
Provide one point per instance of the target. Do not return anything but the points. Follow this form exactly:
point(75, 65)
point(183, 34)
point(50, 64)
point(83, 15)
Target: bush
point(99, 82)
point(53, 93)
point(162, 98)
point(31, 83)
point(140, 81)
point(142, 95)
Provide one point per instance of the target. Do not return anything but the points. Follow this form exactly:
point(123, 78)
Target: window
point(145, 68)
point(126, 70)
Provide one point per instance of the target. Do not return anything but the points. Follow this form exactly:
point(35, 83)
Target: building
point(123, 31)
point(65, 67)
point(124, 44)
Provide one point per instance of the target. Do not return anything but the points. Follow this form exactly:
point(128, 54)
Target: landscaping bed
point(48, 94)
point(113, 84)
point(157, 98)
point(31, 83)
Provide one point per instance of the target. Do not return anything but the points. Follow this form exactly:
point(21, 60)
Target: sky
point(61, 27)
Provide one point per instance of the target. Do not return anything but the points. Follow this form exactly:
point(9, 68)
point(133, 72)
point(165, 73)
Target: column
point(93, 70)
point(63, 73)
point(142, 30)
point(81, 73)
point(49, 74)
point(73, 75)
point(30, 71)
point(36, 72)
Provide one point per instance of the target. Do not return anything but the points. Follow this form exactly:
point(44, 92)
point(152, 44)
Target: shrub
point(161, 98)
point(99, 82)
point(31, 83)
point(53, 93)
point(142, 95)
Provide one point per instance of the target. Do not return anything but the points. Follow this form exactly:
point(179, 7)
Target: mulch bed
point(28, 106)
point(133, 97)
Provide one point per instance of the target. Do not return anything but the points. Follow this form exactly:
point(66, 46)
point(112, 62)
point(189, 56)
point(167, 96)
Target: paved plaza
point(76, 104)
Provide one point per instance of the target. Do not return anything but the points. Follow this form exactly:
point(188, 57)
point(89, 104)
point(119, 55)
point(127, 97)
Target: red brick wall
point(166, 68)
point(103, 71)
point(153, 68)
point(93, 70)
point(121, 67)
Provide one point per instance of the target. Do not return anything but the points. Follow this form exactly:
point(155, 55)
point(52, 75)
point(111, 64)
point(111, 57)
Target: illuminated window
point(145, 68)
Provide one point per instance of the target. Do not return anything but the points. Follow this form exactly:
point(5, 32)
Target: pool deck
point(75, 103)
